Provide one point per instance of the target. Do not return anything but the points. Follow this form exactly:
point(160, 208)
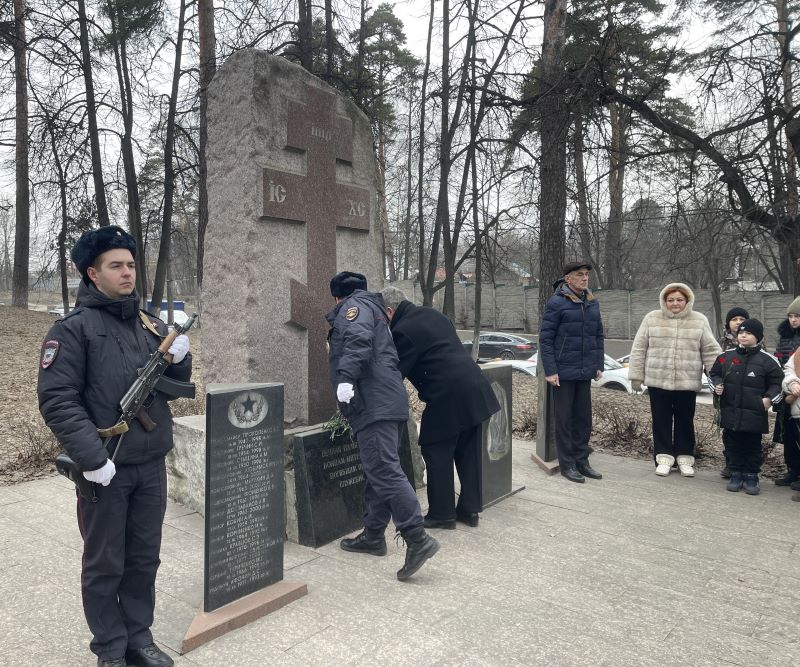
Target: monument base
point(550, 467)
point(210, 625)
point(494, 501)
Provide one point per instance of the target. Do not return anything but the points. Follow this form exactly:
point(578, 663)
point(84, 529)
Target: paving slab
point(630, 570)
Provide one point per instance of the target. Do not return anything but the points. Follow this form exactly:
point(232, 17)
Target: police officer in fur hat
point(88, 361)
point(365, 373)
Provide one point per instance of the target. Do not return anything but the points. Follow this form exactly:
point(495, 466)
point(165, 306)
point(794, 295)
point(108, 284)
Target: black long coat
point(433, 358)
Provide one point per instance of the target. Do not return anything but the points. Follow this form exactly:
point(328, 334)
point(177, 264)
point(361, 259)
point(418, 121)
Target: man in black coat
point(364, 372)
point(89, 359)
point(458, 399)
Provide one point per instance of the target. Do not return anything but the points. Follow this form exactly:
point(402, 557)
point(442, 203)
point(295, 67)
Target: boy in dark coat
point(748, 381)
point(786, 428)
point(458, 399)
point(727, 342)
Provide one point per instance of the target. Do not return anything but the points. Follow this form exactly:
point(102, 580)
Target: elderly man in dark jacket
point(571, 356)
point(89, 360)
point(458, 399)
point(364, 372)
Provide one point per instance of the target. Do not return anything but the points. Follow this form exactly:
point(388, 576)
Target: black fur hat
point(95, 242)
point(346, 282)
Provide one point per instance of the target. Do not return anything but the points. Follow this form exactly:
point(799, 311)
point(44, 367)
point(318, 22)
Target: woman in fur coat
point(671, 348)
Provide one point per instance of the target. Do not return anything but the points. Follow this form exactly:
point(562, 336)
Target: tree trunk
point(427, 294)
point(554, 121)
point(304, 35)
point(442, 220)
point(22, 237)
point(409, 194)
point(208, 66)
point(169, 170)
point(126, 144)
point(584, 226)
point(616, 182)
point(473, 137)
point(329, 42)
point(91, 116)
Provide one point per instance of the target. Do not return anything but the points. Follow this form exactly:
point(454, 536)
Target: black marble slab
point(496, 441)
point(329, 484)
point(244, 491)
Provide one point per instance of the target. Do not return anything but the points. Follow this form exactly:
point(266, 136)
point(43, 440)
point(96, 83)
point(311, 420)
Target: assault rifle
point(132, 406)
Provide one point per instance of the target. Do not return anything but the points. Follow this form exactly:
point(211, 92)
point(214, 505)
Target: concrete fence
point(514, 308)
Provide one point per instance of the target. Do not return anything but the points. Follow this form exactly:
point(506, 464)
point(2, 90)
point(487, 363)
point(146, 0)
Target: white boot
point(686, 465)
point(664, 464)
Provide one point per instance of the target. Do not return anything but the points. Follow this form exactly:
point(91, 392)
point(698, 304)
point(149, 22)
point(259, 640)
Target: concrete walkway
point(631, 570)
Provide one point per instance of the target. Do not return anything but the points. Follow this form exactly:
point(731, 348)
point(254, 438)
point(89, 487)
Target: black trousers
point(573, 413)
point(121, 544)
point(668, 409)
point(388, 494)
point(464, 449)
point(744, 451)
point(791, 439)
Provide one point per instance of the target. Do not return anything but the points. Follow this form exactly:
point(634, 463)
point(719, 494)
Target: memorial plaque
point(244, 491)
point(496, 441)
point(329, 485)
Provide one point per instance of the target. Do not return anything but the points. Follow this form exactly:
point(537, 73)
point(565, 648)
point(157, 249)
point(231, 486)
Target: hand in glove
point(636, 386)
point(179, 348)
point(344, 392)
point(102, 475)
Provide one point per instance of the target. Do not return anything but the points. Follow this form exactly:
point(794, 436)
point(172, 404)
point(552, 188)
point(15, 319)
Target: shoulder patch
point(49, 352)
point(351, 314)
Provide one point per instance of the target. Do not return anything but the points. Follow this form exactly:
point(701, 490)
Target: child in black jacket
point(748, 381)
point(786, 430)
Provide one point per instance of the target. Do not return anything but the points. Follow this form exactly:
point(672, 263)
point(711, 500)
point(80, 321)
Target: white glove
point(344, 392)
point(102, 475)
point(179, 348)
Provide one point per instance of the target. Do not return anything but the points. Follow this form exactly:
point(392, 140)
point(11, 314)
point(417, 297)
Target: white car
point(615, 376)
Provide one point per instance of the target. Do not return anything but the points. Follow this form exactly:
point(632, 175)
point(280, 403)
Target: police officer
point(369, 388)
point(458, 399)
point(88, 361)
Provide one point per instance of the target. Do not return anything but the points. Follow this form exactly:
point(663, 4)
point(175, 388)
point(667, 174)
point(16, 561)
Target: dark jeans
point(573, 412)
point(744, 451)
point(121, 544)
point(388, 493)
point(465, 449)
point(668, 408)
point(791, 439)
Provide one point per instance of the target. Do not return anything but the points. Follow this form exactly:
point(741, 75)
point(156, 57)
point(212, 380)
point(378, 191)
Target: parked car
point(615, 376)
point(58, 311)
point(498, 345)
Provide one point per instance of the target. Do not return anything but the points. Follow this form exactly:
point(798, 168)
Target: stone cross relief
point(323, 205)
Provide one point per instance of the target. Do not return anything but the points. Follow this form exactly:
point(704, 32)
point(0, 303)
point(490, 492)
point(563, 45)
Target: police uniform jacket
point(788, 342)
point(363, 354)
point(89, 360)
point(748, 375)
point(457, 395)
point(571, 335)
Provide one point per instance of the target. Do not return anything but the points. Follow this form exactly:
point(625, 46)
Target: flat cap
point(95, 242)
point(574, 266)
point(346, 282)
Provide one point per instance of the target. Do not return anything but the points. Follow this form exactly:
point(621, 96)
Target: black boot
point(148, 656)
point(751, 487)
point(795, 486)
point(366, 542)
point(736, 481)
point(419, 547)
point(112, 662)
point(791, 475)
point(573, 475)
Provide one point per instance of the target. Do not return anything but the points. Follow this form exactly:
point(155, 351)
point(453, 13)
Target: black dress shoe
point(587, 471)
point(573, 475)
point(112, 662)
point(447, 524)
point(148, 656)
point(469, 519)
